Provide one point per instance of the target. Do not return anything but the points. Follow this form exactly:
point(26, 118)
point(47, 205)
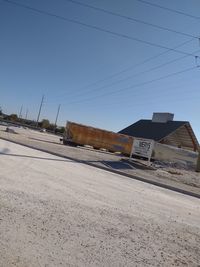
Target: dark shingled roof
point(152, 130)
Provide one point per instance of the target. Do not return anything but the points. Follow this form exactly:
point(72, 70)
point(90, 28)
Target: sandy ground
point(55, 212)
point(186, 177)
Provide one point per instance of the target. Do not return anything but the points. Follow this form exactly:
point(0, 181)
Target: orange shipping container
point(78, 134)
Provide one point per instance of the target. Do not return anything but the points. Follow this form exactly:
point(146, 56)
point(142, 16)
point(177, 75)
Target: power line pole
point(26, 114)
point(20, 113)
point(42, 101)
point(56, 118)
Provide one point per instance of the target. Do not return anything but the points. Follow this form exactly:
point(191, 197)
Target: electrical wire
point(116, 34)
point(131, 67)
point(97, 28)
point(154, 101)
point(129, 77)
point(169, 9)
point(144, 96)
point(131, 19)
point(136, 85)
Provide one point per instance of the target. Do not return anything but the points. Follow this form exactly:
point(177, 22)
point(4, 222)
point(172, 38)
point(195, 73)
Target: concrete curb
point(165, 186)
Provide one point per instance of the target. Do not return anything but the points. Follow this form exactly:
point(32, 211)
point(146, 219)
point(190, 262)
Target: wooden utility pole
point(26, 114)
point(56, 118)
point(42, 101)
point(20, 112)
point(198, 162)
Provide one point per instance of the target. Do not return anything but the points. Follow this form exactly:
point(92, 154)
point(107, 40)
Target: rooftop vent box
point(162, 117)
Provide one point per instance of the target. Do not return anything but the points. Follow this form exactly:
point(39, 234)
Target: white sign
point(142, 147)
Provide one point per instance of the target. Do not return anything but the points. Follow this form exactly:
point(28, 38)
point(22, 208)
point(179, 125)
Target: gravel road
point(56, 212)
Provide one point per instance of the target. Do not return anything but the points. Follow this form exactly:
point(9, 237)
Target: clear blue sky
point(70, 64)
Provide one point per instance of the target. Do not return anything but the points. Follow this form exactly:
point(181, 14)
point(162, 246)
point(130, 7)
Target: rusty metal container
point(78, 134)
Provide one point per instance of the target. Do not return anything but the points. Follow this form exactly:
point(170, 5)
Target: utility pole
point(20, 113)
point(42, 101)
point(56, 118)
point(26, 114)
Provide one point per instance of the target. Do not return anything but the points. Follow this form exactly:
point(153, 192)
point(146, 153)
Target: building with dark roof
point(163, 129)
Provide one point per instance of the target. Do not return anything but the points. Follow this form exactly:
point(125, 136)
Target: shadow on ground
point(117, 165)
point(110, 164)
point(138, 165)
point(32, 157)
point(45, 141)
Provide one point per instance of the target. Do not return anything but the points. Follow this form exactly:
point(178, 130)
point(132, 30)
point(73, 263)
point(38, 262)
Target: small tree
point(45, 123)
point(60, 130)
point(1, 112)
point(13, 117)
point(51, 127)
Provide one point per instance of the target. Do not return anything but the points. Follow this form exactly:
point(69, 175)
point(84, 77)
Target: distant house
point(163, 129)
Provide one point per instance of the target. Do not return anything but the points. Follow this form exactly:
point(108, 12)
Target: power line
point(131, 19)
point(136, 85)
point(131, 68)
point(115, 74)
point(132, 76)
point(169, 9)
point(137, 103)
point(157, 98)
point(98, 28)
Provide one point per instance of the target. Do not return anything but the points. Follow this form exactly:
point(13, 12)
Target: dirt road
point(56, 212)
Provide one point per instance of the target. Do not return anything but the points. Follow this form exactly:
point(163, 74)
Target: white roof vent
point(162, 117)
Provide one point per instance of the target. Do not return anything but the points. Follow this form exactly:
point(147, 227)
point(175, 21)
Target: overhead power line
point(127, 78)
point(157, 98)
point(134, 75)
point(136, 85)
point(130, 19)
point(97, 28)
point(132, 67)
point(169, 9)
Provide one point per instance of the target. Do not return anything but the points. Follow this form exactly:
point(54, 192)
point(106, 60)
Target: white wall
point(172, 154)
